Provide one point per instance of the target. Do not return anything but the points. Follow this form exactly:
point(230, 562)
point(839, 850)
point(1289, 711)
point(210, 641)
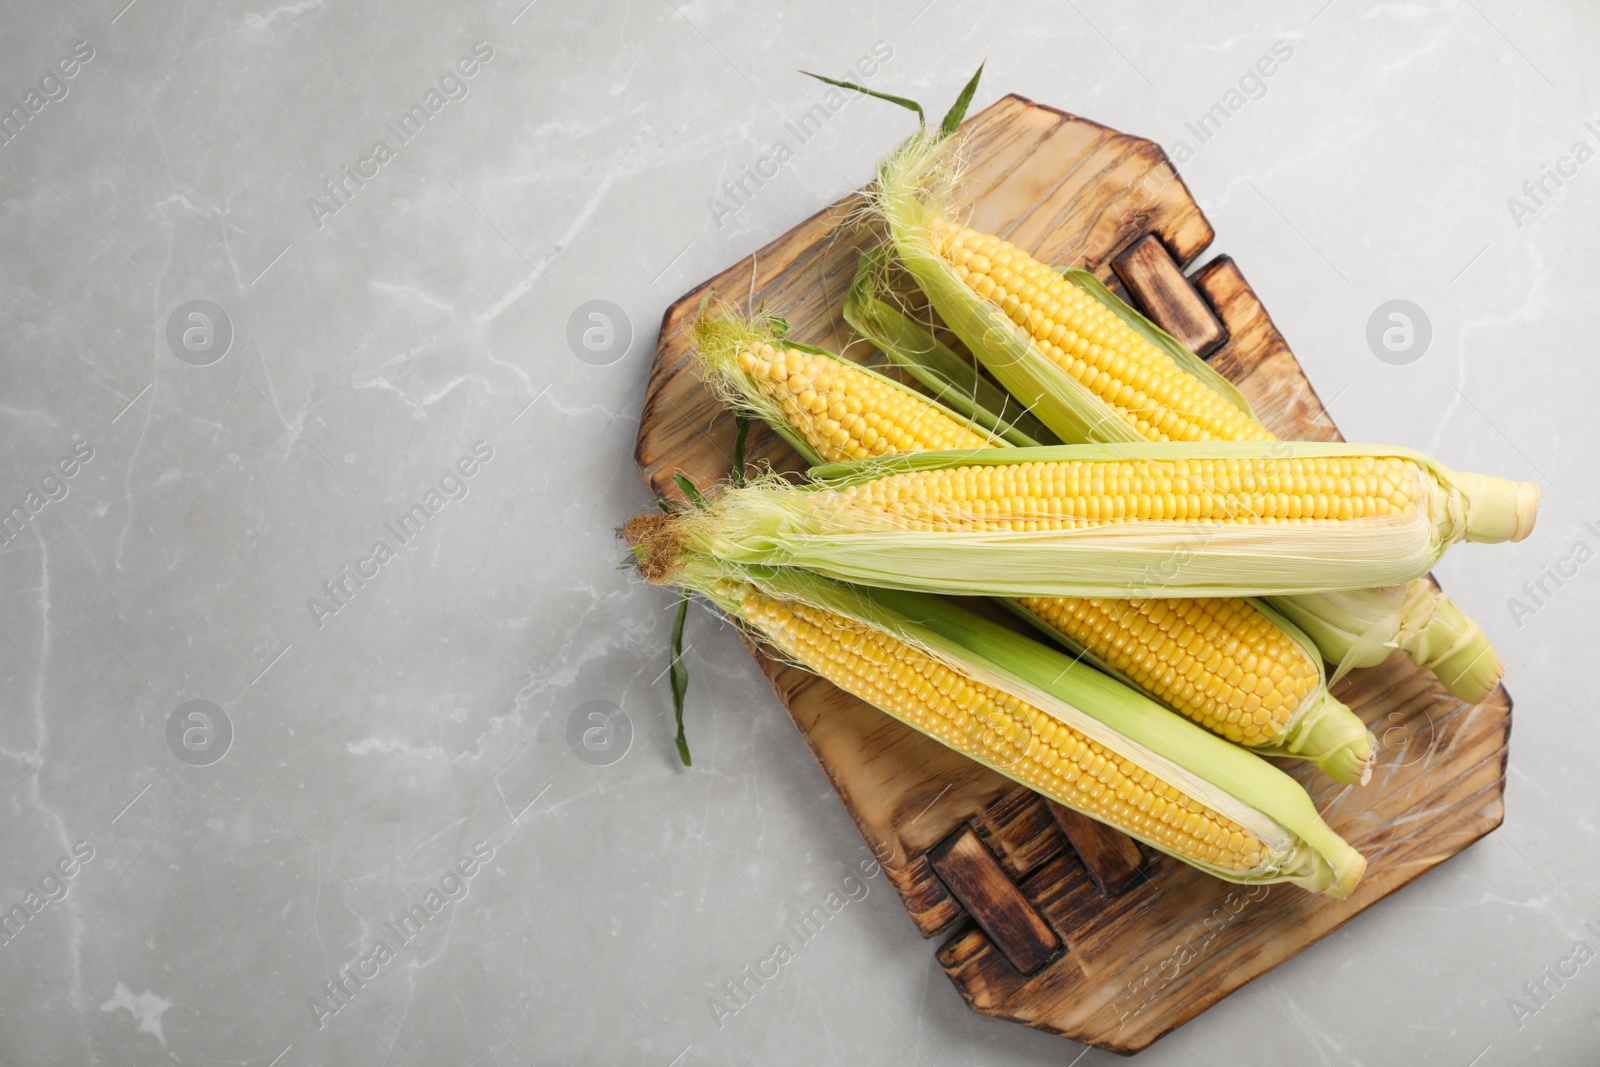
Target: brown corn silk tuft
point(657, 545)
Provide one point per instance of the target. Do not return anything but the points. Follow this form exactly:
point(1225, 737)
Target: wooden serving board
point(1031, 935)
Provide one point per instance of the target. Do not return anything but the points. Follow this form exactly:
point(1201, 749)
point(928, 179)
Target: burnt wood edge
point(973, 876)
point(1209, 1001)
point(998, 1008)
point(1143, 284)
point(1113, 859)
point(1201, 280)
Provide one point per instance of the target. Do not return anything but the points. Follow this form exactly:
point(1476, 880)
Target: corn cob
point(1076, 359)
point(1090, 344)
point(806, 395)
point(1167, 519)
point(1027, 711)
point(1225, 664)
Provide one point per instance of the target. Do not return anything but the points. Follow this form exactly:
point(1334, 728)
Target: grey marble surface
point(402, 741)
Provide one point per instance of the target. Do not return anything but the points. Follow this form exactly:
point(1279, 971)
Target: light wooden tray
point(1051, 920)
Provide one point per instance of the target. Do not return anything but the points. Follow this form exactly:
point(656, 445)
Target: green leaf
point(958, 110)
point(688, 489)
point(779, 325)
point(741, 423)
point(680, 675)
point(910, 105)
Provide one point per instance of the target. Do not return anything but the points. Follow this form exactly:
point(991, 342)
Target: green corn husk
point(1361, 627)
point(1301, 848)
point(819, 528)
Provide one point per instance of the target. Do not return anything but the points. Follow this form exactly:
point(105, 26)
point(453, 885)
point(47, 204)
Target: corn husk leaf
point(1361, 627)
point(900, 101)
point(958, 110)
point(680, 677)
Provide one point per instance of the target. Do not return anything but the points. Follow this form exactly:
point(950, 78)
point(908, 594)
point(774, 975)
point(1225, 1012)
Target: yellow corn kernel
point(1071, 494)
point(844, 413)
point(1204, 658)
